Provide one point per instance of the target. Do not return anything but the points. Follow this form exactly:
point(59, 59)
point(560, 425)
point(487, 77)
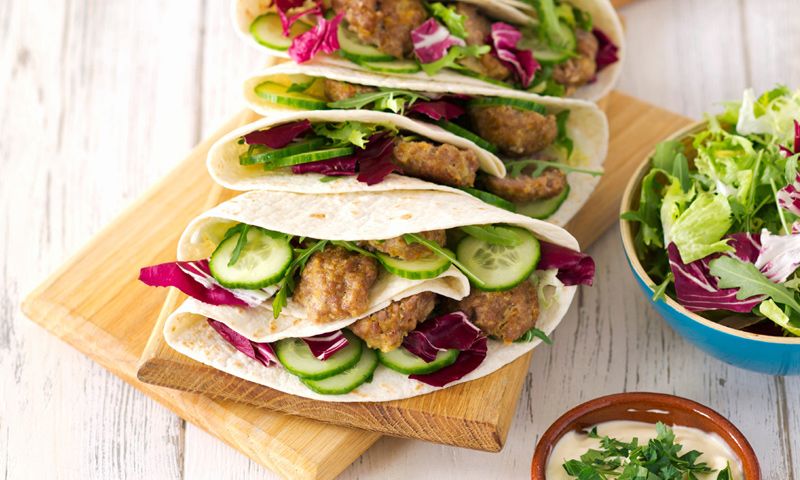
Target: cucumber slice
point(543, 209)
point(264, 154)
point(491, 199)
point(403, 361)
point(510, 102)
point(394, 66)
point(500, 267)
point(464, 133)
point(430, 267)
point(543, 53)
point(296, 357)
point(309, 157)
point(352, 48)
point(277, 93)
point(268, 31)
point(261, 262)
point(348, 380)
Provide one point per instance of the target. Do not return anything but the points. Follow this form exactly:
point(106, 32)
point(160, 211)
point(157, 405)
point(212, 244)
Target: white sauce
point(716, 453)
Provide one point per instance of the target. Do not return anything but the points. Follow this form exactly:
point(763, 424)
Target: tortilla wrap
point(354, 216)
point(587, 126)
point(603, 14)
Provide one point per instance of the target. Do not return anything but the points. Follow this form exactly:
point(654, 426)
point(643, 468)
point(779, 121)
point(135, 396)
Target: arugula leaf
point(532, 334)
point(286, 284)
point(454, 22)
point(348, 133)
point(734, 273)
point(562, 139)
point(240, 243)
point(352, 247)
point(661, 289)
point(388, 99)
point(411, 238)
point(493, 234)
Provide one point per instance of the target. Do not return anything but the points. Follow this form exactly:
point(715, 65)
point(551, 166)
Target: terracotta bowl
point(645, 407)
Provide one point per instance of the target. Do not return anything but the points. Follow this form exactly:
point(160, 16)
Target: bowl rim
point(648, 400)
point(626, 231)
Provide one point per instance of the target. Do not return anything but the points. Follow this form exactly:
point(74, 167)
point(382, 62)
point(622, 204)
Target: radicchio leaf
point(438, 110)
point(173, 274)
point(375, 161)
point(789, 197)
point(342, 166)
point(606, 51)
point(697, 289)
point(262, 352)
point(432, 40)
point(453, 330)
point(504, 46)
point(323, 37)
point(324, 345)
point(574, 268)
point(779, 256)
point(280, 136)
point(283, 7)
point(467, 361)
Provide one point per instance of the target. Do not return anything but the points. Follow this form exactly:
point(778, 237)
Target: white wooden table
point(101, 98)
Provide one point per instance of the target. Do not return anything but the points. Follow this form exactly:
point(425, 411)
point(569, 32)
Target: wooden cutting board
point(95, 303)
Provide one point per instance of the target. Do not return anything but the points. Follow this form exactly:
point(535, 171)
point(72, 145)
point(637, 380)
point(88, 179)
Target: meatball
point(581, 69)
point(399, 248)
point(478, 30)
point(505, 315)
point(444, 164)
point(516, 132)
point(336, 90)
point(387, 24)
point(335, 284)
point(525, 188)
point(387, 328)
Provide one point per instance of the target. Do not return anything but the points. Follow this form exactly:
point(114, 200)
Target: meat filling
point(335, 284)
point(579, 70)
point(478, 30)
point(336, 90)
point(506, 315)
point(399, 248)
point(516, 132)
point(387, 328)
point(438, 163)
point(525, 188)
point(387, 24)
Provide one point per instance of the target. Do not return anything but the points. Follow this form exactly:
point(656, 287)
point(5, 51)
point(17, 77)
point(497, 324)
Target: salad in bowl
point(717, 225)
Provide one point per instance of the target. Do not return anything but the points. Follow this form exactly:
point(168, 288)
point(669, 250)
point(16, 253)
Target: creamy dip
point(716, 453)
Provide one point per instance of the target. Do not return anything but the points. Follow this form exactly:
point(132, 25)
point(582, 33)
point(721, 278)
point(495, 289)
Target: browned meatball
point(336, 90)
point(387, 328)
point(399, 248)
point(441, 164)
point(581, 69)
point(335, 284)
point(505, 315)
point(525, 188)
point(478, 30)
point(387, 24)
point(516, 132)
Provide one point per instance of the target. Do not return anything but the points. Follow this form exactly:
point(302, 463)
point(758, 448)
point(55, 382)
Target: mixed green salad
point(718, 217)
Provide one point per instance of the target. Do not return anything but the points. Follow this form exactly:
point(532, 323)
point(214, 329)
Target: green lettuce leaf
point(348, 133)
point(453, 21)
point(673, 205)
point(769, 309)
point(699, 230)
point(454, 54)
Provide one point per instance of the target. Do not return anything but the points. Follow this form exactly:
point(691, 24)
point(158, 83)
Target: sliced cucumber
point(296, 357)
point(544, 53)
point(352, 49)
point(500, 267)
point(394, 66)
point(261, 262)
point(430, 267)
point(464, 133)
point(268, 31)
point(309, 157)
point(509, 102)
point(491, 199)
point(543, 209)
point(348, 380)
point(263, 154)
point(277, 93)
point(403, 361)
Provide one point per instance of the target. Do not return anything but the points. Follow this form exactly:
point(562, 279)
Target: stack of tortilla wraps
point(400, 231)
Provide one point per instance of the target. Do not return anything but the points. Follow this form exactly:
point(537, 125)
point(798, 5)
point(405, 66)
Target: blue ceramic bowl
point(760, 353)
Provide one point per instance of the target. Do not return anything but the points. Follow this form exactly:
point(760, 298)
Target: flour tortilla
point(515, 12)
point(587, 126)
point(354, 216)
